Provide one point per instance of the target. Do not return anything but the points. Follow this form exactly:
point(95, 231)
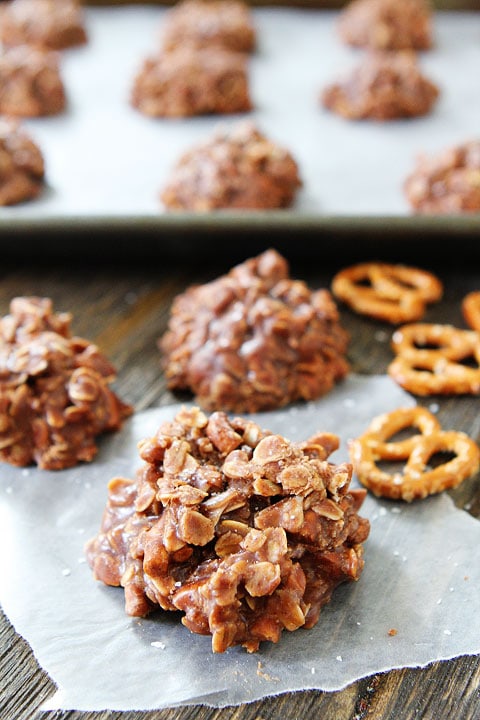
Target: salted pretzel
point(471, 309)
point(393, 293)
point(431, 359)
point(416, 479)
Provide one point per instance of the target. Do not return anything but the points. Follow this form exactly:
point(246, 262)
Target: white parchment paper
point(104, 158)
point(421, 579)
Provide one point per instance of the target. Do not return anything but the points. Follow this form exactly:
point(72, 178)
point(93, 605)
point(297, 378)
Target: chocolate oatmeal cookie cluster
point(226, 24)
point(382, 86)
point(31, 83)
point(246, 533)
point(254, 339)
point(237, 167)
point(387, 24)
point(446, 182)
point(55, 397)
point(22, 167)
point(49, 24)
point(189, 81)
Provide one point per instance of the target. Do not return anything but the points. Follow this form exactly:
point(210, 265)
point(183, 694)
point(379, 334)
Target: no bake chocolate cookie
point(51, 24)
point(254, 339)
point(22, 167)
point(31, 84)
point(237, 167)
point(383, 86)
point(244, 532)
point(387, 24)
point(209, 23)
point(188, 81)
point(55, 395)
point(447, 182)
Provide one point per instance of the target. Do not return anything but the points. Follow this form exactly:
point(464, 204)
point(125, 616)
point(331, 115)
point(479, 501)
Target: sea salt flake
point(158, 644)
point(66, 572)
point(339, 658)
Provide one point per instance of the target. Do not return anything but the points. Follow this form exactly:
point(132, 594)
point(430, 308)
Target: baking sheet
point(417, 600)
point(106, 163)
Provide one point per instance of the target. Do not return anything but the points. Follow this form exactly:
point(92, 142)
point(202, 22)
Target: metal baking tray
point(106, 163)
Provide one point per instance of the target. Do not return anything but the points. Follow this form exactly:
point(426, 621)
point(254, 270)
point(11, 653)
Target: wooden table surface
point(124, 308)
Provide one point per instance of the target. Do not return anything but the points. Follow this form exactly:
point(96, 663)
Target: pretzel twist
point(393, 293)
point(431, 359)
point(471, 309)
point(416, 480)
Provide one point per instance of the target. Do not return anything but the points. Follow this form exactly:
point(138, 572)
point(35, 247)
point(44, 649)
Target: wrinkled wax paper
point(421, 581)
